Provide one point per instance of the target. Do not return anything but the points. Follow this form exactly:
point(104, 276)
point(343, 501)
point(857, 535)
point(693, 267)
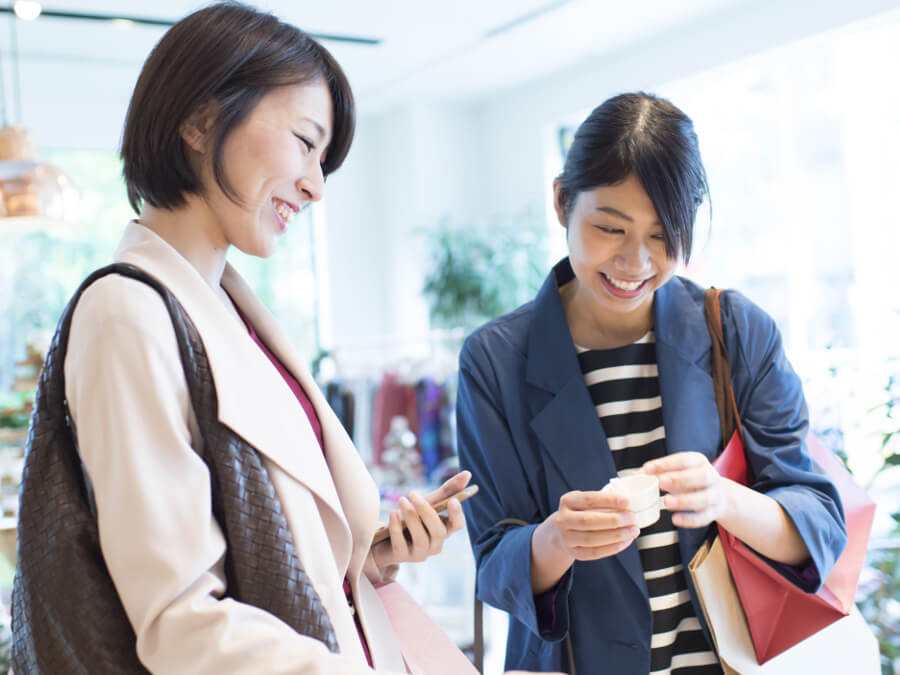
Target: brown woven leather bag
point(66, 614)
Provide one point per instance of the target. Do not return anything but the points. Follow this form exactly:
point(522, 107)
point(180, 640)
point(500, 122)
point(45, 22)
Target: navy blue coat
point(529, 433)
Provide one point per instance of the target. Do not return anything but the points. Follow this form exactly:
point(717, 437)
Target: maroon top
point(317, 429)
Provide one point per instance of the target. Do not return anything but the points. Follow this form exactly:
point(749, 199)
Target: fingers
point(595, 499)
point(592, 521)
point(426, 530)
point(601, 539)
point(710, 500)
point(594, 525)
point(455, 519)
point(688, 480)
point(414, 519)
point(675, 462)
point(694, 518)
point(399, 547)
point(450, 487)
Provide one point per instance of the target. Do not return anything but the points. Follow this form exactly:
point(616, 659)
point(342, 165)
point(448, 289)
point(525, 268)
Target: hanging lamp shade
point(34, 196)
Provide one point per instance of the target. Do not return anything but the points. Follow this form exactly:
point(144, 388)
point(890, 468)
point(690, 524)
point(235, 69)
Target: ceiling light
point(122, 24)
point(34, 195)
point(27, 10)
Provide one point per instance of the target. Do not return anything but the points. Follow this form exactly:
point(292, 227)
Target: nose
point(633, 257)
point(311, 185)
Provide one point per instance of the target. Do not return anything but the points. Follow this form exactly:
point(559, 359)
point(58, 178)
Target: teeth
point(624, 285)
point(285, 211)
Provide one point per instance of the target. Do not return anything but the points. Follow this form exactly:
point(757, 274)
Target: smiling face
point(273, 161)
point(618, 253)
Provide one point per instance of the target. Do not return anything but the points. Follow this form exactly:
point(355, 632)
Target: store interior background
point(464, 109)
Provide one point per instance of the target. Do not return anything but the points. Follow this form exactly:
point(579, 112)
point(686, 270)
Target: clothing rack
point(409, 356)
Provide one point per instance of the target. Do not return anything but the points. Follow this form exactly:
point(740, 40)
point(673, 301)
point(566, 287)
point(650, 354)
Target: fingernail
point(404, 503)
point(416, 498)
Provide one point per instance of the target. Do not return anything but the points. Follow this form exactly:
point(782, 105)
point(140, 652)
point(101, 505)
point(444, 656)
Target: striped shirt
point(624, 386)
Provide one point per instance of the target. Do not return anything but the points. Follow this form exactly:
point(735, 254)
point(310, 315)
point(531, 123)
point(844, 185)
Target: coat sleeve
point(776, 421)
point(488, 449)
point(163, 548)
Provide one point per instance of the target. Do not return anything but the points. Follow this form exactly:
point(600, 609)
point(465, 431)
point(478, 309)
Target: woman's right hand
point(587, 526)
point(594, 525)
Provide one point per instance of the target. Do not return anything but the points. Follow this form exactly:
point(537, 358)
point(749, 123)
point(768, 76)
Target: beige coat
point(137, 437)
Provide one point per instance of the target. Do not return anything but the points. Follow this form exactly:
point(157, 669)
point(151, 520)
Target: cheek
point(665, 266)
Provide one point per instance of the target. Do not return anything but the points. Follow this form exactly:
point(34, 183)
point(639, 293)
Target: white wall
point(488, 157)
point(408, 168)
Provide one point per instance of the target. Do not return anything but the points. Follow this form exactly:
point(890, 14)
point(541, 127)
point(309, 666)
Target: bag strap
point(729, 417)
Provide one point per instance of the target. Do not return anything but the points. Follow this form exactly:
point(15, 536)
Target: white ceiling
point(428, 48)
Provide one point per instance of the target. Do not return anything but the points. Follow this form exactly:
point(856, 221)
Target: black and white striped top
point(624, 386)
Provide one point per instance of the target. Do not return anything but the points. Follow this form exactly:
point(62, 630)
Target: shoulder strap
point(729, 418)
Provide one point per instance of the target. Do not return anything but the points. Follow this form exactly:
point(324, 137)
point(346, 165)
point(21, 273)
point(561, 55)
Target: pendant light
point(34, 196)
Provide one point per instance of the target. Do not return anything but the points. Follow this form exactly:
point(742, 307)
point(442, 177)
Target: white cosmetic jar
point(642, 491)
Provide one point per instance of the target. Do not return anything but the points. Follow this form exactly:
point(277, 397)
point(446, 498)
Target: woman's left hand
point(427, 530)
point(698, 495)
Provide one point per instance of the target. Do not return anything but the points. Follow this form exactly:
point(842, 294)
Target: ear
point(559, 202)
point(196, 131)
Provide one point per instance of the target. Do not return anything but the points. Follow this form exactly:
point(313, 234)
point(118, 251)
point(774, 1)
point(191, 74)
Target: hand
point(697, 493)
point(427, 530)
point(594, 525)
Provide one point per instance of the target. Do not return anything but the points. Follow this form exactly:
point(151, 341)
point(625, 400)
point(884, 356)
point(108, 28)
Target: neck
point(594, 327)
point(192, 232)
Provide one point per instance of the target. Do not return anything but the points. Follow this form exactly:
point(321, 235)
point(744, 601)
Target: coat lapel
point(577, 454)
point(250, 391)
point(356, 490)
point(688, 402)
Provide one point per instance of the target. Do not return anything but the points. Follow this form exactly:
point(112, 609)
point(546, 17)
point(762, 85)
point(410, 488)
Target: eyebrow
point(615, 212)
point(318, 126)
point(619, 214)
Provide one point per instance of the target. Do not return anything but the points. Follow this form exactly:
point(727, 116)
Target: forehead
point(295, 103)
point(627, 196)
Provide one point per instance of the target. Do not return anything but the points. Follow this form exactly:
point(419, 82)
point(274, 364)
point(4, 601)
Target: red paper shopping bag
point(778, 613)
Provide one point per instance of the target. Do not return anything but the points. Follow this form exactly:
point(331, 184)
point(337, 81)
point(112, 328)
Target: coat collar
point(252, 394)
point(677, 319)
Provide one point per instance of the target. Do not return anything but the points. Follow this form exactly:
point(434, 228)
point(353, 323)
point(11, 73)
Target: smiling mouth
point(627, 286)
point(285, 210)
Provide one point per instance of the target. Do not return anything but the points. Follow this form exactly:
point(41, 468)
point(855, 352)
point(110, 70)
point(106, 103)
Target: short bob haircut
point(647, 136)
point(231, 55)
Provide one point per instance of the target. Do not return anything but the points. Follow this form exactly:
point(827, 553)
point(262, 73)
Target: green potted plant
point(482, 270)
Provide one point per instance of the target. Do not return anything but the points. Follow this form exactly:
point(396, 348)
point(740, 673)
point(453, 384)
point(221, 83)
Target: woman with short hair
point(190, 503)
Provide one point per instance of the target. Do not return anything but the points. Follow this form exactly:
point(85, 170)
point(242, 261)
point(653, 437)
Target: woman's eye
point(305, 141)
point(659, 237)
point(609, 230)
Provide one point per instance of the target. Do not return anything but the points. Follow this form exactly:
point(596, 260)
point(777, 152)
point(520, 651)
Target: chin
point(257, 249)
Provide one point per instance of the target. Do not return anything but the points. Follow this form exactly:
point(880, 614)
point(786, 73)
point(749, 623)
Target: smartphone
point(384, 531)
